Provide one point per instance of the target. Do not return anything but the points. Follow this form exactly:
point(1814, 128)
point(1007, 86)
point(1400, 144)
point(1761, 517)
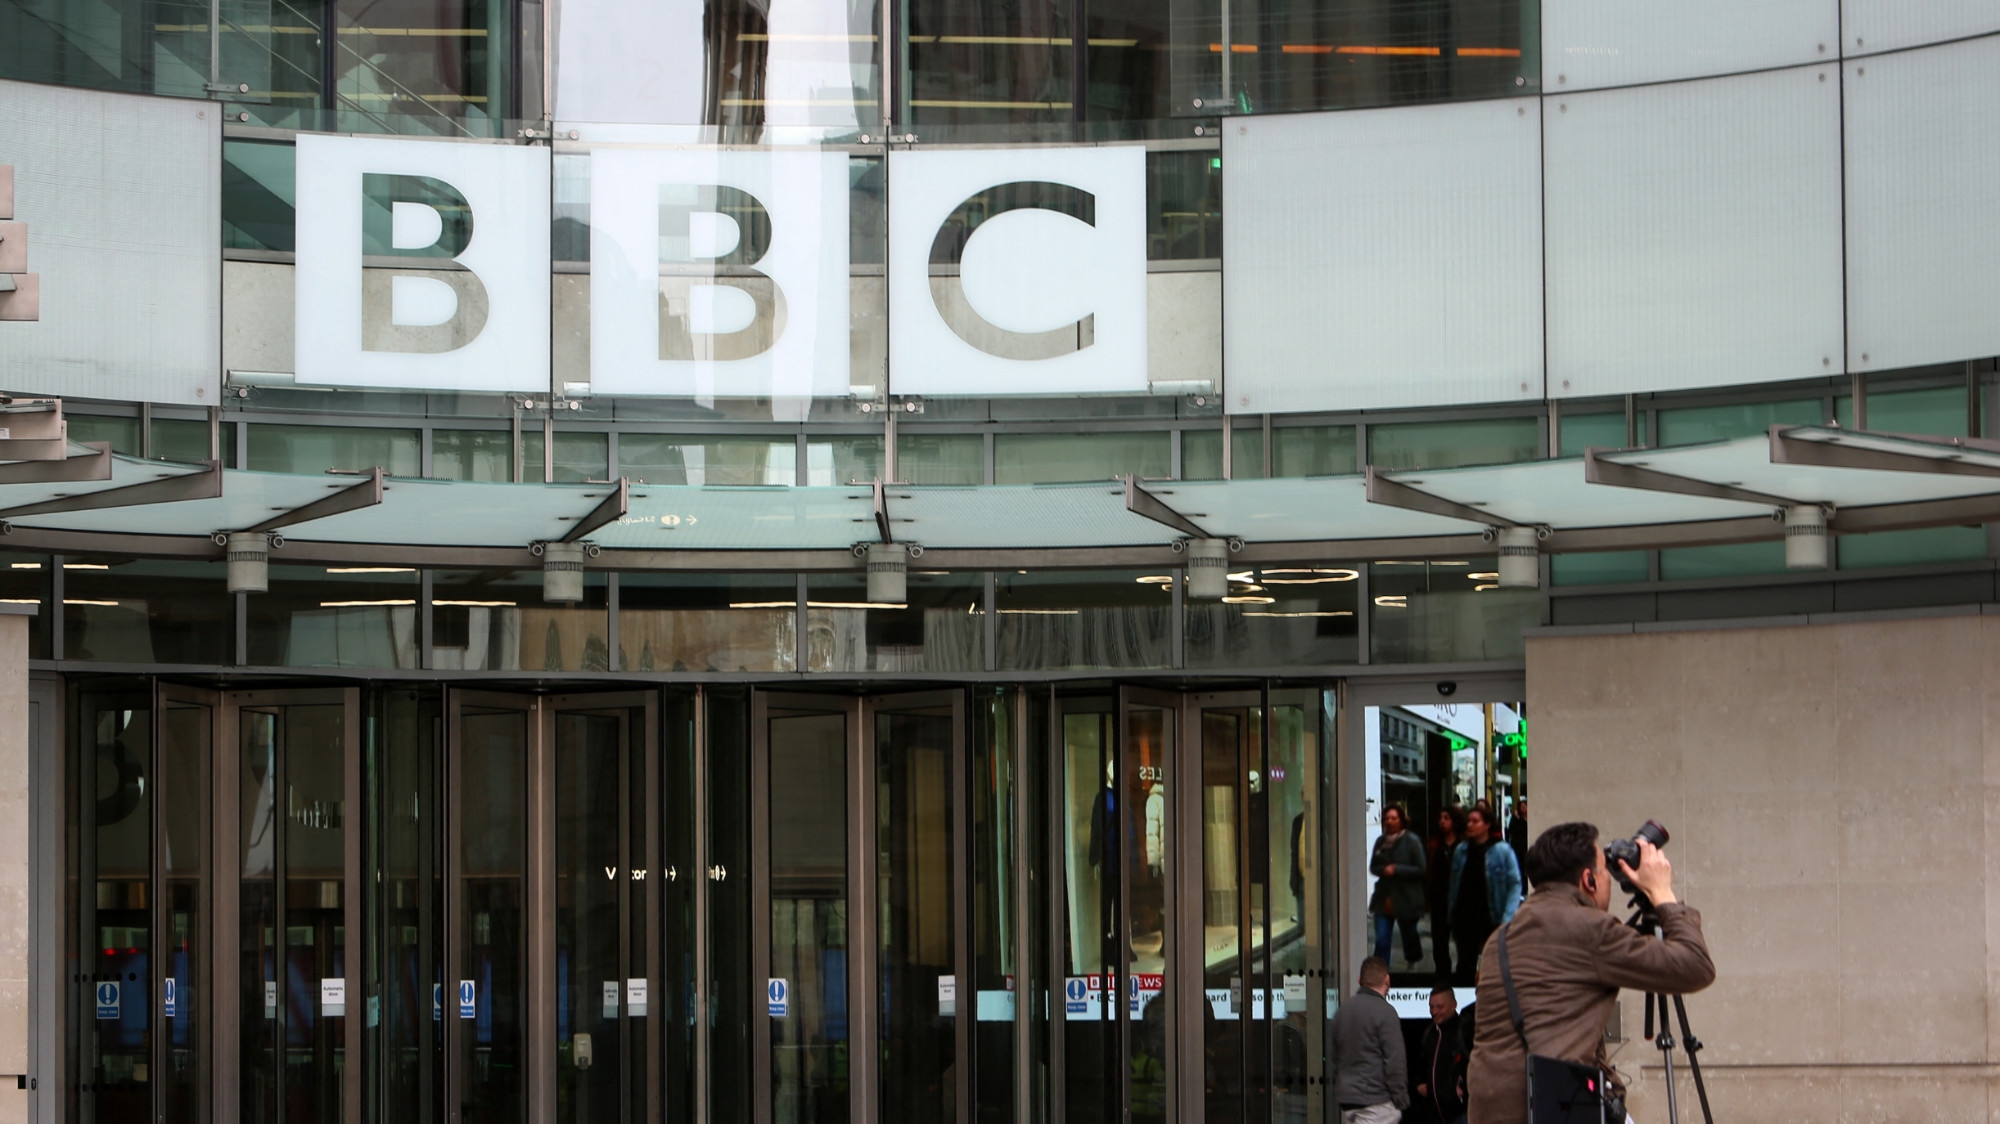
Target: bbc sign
point(720, 273)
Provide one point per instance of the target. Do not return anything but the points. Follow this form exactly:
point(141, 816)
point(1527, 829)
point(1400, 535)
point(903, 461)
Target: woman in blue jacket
point(1481, 905)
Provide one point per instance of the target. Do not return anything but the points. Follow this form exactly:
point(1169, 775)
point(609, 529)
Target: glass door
point(483, 999)
point(294, 776)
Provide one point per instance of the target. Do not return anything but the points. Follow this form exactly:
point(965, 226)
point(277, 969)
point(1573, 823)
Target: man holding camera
point(1569, 957)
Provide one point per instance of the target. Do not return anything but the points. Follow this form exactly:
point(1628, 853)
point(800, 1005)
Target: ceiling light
point(857, 605)
point(476, 604)
point(1315, 613)
point(371, 569)
point(364, 604)
point(26, 566)
point(85, 566)
point(1393, 601)
point(81, 601)
point(1155, 579)
point(1248, 600)
point(1485, 576)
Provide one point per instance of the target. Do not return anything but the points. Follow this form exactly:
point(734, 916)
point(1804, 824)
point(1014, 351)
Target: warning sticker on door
point(777, 993)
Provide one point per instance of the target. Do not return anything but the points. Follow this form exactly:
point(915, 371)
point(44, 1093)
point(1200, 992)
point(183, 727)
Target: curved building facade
point(819, 563)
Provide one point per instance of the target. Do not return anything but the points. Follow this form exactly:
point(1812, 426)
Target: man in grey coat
point(1371, 1080)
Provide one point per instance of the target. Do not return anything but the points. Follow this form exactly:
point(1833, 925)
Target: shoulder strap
point(1513, 998)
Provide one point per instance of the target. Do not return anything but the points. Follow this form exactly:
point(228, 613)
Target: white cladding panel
point(1380, 258)
point(1024, 273)
point(629, 61)
point(1590, 44)
point(120, 197)
point(1888, 25)
point(1923, 206)
point(1694, 233)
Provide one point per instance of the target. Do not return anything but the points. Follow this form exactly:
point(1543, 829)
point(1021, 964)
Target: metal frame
point(210, 703)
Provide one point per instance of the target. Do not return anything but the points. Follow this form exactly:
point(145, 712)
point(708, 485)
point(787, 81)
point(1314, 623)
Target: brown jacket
point(1569, 960)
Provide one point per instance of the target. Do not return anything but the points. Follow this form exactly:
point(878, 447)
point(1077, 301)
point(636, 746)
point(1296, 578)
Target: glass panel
point(578, 457)
point(1694, 425)
point(1224, 734)
point(998, 974)
point(941, 627)
point(474, 454)
point(673, 1009)
point(1183, 189)
point(592, 874)
point(1908, 548)
point(155, 48)
point(116, 785)
point(987, 64)
point(809, 1046)
point(186, 739)
point(1295, 816)
point(707, 622)
point(1284, 616)
point(1201, 453)
point(1139, 812)
point(940, 458)
point(1050, 458)
point(1313, 450)
point(730, 990)
point(186, 441)
point(916, 840)
point(260, 1011)
point(844, 460)
point(317, 448)
point(121, 433)
point(314, 856)
point(1582, 431)
point(1427, 612)
point(1939, 412)
point(1105, 618)
point(1088, 881)
point(652, 458)
point(1731, 560)
point(405, 838)
point(492, 915)
point(1598, 569)
point(123, 611)
point(24, 580)
point(1451, 444)
point(488, 620)
point(259, 196)
point(335, 616)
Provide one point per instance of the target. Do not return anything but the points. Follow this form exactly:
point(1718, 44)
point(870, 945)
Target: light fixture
point(249, 554)
point(888, 573)
point(365, 604)
point(1208, 569)
point(562, 572)
point(1520, 557)
point(1318, 576)
point(1245, 600)
point(1393, 601)
point(1805, 537)
point(371, 570)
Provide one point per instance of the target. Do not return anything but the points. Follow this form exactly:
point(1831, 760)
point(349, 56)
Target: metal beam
point(1638, 475)
point(352, 497)
point(33, 449)
point(1139, 501)
point(882, 511)
point(94, 466)
point(203, 485)
point(613, 507)
point(1836, 452)
point(1395, 493)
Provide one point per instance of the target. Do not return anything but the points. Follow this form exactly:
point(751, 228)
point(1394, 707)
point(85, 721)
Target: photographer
point(1569, 957)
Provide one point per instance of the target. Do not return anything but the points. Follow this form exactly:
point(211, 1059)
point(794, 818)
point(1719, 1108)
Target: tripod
point(1648, 922)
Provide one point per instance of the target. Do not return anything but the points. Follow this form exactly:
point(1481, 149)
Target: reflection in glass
point(1106, 618)
point(25, 580)
point(1052, 458)
point(679, 621)
point(578, 457)
point(186, 733)
point(1280, 616)
point(987, 64)
point(593, 775)
point(792, 63)
point(940, 627)
point(915, 837)
point(1453, 443)
point(728, 793)
point(652, 458)
point(406, 941)
point(808, 855)
point(493, 620)
point(999, 980)
point(125, 611)
point(1142, 831)
point(1444, 610)
point(474, 454)
point(314, 449)
point(492, 895)
point(1088, 878)
point(115, 784)
point(341, 616)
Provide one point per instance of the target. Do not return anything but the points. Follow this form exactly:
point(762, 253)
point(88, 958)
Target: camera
point(1628, 851)
point(1447, 688)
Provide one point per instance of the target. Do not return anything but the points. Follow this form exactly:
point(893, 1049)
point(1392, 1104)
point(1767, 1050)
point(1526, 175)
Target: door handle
point(718, 873)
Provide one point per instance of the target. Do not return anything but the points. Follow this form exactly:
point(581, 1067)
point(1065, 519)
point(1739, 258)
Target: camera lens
point(1653, 833)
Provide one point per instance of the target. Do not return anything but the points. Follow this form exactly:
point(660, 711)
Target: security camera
point(1447, 688)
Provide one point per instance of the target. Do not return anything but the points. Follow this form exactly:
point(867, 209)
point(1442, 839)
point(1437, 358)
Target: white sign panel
point(635, 998)
point(112, 237)
point(719, 273)
point(778, 998)
point(610, 999)
point(1049, 295)
point(333, 996)
point(466, 304)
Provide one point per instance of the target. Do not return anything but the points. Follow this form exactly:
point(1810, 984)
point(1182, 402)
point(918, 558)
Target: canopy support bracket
point(1139, 501)
point(354, 497)
point(203, 485)
point(1395, 493)
point(612, 508)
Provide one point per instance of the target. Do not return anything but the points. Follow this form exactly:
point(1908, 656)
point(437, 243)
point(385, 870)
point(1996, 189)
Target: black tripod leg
point(1693, 1047)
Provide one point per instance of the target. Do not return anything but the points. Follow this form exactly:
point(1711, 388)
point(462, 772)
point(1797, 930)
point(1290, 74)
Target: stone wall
point(1834, 796)
point(14, 852)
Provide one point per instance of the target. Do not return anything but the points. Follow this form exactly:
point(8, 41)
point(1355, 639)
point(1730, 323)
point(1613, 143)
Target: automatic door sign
point(333, 997)
point(468, 1006)
point(1076, 996)
point(778, 994)
point(610, 999)
point(635, 998)
point(107, 999)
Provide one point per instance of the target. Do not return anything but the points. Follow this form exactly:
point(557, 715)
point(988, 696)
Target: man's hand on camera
point(1654, 876)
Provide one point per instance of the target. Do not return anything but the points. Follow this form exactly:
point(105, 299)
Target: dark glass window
point(1446, 610)
point(1276, 617)
point(491, 620)
point(942, 626)
point(1099, 619)
point(118, 610)
point(335, 616)
point(673, 621)
point(988, 64)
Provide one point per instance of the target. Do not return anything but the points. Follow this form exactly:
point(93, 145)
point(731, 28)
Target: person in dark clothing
point(1445, 838)
point(1398, 864)
point(1485, 888)
point(1517, 827)
point(1440, 1063)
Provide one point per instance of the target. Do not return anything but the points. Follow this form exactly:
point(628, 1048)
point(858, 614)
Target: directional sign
point(778, 994)
point(107, 999)
point(467, 1008)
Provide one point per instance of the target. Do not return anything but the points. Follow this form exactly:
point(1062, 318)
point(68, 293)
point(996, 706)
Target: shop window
point(940, 627)
point(1446, 610)
point(342, 448)
point(1098, 619)
point(1050, 458)
point(474, 454)
point(1451, 444)
point(672, 621)
point(335, 616)
point(1274, 617)
point(663, 459)
point(121, 610)
point(491, 620)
